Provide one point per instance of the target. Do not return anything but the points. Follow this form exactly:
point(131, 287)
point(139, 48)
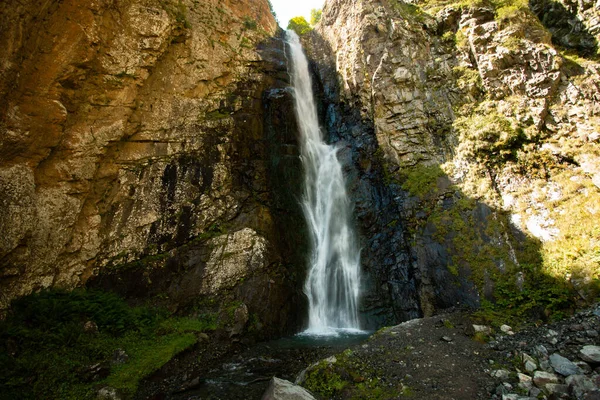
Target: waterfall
point(333, 281)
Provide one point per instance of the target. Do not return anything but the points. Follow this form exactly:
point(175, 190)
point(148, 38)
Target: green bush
point(299, 25)
point(46, 353)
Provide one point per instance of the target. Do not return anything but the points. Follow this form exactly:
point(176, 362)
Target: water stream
point(333, 281)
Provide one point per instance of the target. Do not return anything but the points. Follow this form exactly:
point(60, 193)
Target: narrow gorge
point(172, 196)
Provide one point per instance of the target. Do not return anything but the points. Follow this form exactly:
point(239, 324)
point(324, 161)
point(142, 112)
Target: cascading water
point(333, 281)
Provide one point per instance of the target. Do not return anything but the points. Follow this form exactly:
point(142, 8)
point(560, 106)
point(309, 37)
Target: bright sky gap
point(288, 9)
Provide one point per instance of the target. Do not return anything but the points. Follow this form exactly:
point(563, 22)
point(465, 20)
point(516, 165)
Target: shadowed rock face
point(147, 140)
point(440, 111)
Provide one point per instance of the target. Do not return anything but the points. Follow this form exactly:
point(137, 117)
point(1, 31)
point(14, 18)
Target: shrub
point(299, 25)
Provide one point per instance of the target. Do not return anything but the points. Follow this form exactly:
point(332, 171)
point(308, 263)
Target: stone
point(240, 319)
point(557, 388)
point(482, 329)
point(119, 356)
point(540, 351)
point(90, 327)
point(534, 392)
point(580, 385)
point(563, 365)
point(446, 338)
point(525, 381)
point(529, 362)
point(500, 374)
point(507, 329)
point(108, 393)
point(280, 389)
point(585, 367)
point(590, 354)
point(541, 378)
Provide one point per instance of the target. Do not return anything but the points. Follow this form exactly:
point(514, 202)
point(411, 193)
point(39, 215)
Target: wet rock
point(590, 354)
point(240, 318)
point(563, 365)
point(280, 389)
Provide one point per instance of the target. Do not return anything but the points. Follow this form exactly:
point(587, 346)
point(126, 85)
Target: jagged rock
point(525, 381)
point(590, 354)
point(541, 378)
point(580, 385)
point(563, 365)
point(280, 389)
point(501, 374)
point(529, 362)
point(585, 367)
point(557, 389)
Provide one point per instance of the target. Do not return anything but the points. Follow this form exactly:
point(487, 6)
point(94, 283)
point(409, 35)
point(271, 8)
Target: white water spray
point(332, 285)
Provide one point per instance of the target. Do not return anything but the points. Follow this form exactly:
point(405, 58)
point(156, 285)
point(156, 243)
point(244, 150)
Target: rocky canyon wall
point(145, 147)
point(473, 151)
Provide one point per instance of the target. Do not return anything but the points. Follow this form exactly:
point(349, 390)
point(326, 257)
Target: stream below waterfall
point(241, 372)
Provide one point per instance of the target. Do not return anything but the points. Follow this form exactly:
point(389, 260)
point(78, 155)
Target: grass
point(46, 353)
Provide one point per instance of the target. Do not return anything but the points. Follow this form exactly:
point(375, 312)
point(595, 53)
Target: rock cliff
point(145, 147)
point(479, 138)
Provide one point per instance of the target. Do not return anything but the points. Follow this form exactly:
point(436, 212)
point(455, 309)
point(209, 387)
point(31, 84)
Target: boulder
point(590, 354)
point(280, 389)
point(563, 365)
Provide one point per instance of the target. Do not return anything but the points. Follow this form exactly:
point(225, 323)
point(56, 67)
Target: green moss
point(250, 23)
point(146, 357)
point(324, 380)
point(410, 11)
point(45, 352)
point(422, 180)
point(488, 136)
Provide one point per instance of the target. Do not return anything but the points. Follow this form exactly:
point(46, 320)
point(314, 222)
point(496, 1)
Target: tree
point(299, 25)
point(315, 16)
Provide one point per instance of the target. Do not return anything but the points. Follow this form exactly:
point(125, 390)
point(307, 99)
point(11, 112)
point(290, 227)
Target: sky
point(287, 9)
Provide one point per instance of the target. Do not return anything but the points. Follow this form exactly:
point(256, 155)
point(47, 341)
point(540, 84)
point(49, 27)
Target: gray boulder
point(280, 389)
point(590, 354)
point(564, 366)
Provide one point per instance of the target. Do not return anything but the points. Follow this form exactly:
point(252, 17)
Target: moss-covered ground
point(45, 351)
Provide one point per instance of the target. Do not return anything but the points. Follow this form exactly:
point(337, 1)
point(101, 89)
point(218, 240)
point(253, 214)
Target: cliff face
point(144, 148)
point(478, 135)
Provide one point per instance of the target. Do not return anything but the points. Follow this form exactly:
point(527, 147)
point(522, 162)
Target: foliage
point(46, 353)
point(299, 25)
point(488, 137)
point(324, 380)
point(410, 11)
point(315, 16)
point(422, 180)
point(250, 23)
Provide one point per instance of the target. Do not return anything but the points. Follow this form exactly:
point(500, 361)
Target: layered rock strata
point(145, 147)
